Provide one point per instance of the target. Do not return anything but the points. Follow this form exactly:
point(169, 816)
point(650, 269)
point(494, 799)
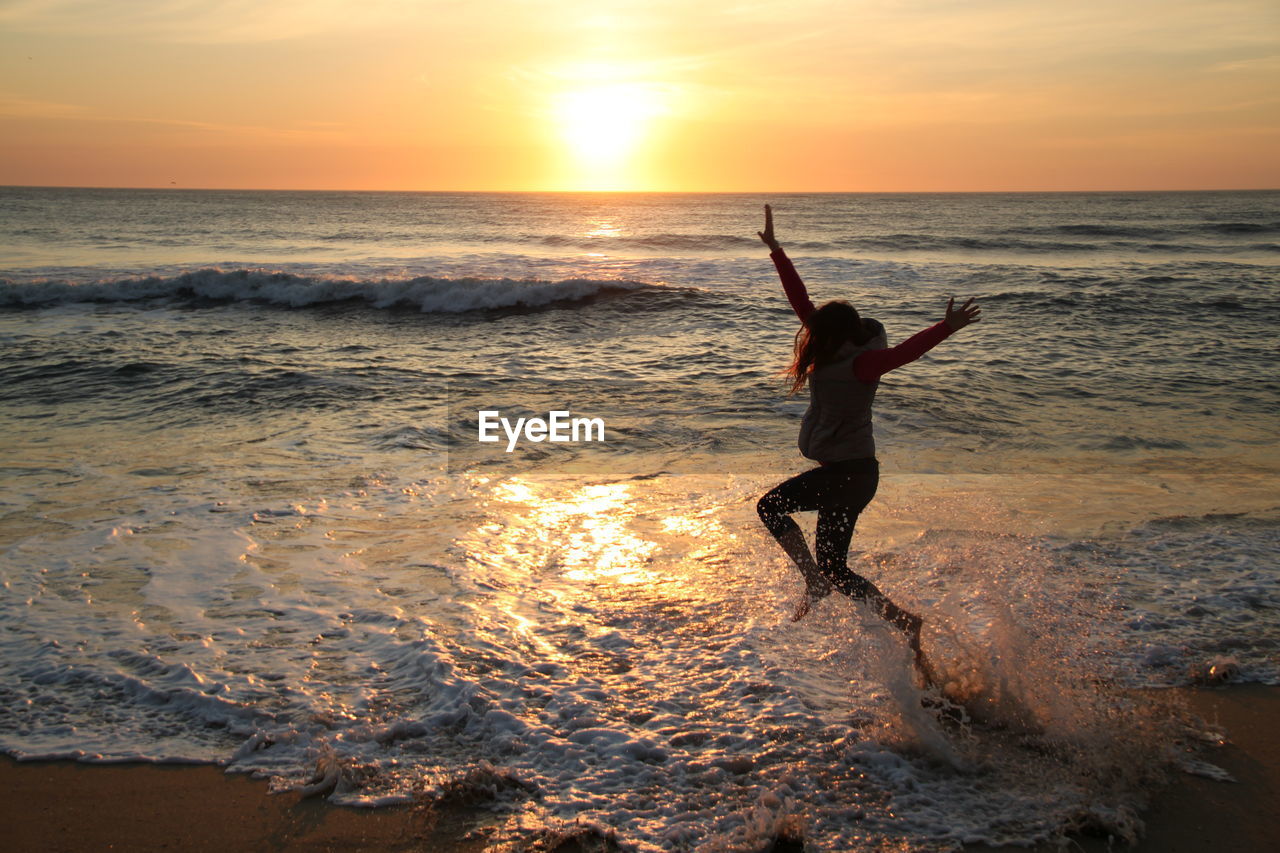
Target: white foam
point(425, 293)
point(568, 652)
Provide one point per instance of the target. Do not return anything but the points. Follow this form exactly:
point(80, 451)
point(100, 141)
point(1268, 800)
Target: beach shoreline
point(72, 806)
point(247, 498)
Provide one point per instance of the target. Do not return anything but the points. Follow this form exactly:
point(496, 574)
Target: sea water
point(243, 520)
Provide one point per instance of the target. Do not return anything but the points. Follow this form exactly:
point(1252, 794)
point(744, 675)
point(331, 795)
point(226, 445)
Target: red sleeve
point(791, 283)
point(873, 364)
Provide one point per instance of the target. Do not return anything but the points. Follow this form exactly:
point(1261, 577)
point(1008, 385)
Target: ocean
point(246, 518)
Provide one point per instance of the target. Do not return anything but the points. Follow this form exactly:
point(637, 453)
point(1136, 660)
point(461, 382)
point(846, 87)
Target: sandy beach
point(69, 806)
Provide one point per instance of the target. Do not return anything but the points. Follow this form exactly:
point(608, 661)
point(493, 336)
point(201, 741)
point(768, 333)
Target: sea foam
point(424, 293)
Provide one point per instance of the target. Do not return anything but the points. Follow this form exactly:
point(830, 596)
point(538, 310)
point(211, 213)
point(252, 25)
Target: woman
point(841, 356)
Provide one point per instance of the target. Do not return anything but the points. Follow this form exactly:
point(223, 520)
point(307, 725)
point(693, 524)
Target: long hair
point(826, 330)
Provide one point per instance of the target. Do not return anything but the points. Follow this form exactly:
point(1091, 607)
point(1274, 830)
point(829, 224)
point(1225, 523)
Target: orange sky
point(804, 95)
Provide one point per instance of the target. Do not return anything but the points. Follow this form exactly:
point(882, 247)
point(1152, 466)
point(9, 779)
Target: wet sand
point(69, 806)
point(1193, 814)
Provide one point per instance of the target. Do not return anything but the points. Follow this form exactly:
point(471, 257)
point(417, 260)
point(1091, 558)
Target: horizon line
point(635, 192)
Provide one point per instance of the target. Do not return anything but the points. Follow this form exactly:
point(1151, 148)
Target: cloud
point(20, 107)
point(15, 106)
point(1257, 65)
point(203, 21)
point(312, 132)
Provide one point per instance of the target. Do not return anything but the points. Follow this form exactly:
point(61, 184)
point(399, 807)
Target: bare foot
point(811, 594)
point(926, 670)
point(922, 663)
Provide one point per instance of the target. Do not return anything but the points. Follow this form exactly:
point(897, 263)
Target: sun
point(604, 126)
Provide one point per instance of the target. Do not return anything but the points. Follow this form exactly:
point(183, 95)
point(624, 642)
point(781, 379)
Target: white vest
point(837, 425)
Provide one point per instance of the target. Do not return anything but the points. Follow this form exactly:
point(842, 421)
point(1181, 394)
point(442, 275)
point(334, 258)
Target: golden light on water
point(590, 526)
point(604, 228)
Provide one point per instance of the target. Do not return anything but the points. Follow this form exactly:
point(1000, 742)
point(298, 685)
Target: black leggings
point(838, 491)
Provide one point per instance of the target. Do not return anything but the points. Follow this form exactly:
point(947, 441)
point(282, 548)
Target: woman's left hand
point(958, 318)
point(767, 234)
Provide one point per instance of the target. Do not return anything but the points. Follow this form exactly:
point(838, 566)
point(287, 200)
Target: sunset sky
point(685, 95)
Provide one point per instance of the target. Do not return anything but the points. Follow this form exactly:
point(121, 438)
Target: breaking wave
point(425, 293)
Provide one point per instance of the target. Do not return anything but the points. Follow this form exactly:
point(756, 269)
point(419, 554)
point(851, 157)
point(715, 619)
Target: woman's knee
point(774, 514)
point(768, 507)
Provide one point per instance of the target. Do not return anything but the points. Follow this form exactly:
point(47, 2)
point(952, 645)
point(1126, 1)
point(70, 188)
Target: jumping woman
point(841, 356)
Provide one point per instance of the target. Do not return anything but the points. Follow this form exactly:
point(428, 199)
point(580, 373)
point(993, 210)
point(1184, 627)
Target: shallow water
point(244, 519)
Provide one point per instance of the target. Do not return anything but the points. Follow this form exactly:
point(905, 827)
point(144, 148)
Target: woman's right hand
point(958, 318)
point(767, 234)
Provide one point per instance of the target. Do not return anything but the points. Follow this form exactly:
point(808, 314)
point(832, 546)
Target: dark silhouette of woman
point(841, 356)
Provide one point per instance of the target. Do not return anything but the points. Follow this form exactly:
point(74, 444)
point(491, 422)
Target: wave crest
point(425, 293)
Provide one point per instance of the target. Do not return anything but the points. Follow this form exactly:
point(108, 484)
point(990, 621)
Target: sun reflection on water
point(604, 228)
point(591, 525)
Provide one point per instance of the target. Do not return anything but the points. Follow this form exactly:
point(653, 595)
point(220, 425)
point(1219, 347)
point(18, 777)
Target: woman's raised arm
point(872, 364)
point(791, 282)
